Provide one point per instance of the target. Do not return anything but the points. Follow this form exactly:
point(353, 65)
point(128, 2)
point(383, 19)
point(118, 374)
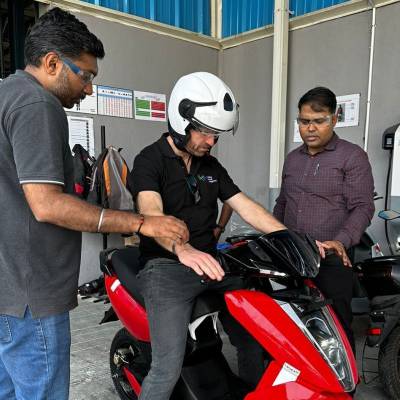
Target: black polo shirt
point(157, 168)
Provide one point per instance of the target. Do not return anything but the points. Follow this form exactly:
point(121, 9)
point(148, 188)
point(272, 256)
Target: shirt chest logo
point(207, 178)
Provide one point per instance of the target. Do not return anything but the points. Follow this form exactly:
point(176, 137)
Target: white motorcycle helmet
point(204, 102)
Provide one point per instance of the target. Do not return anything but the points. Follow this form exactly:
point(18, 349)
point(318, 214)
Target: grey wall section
point(333, 54)
point(138, 60)
point(385, 110)
point(247, 69)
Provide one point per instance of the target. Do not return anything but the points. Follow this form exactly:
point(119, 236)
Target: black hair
point(318, 99)
point(63, 33)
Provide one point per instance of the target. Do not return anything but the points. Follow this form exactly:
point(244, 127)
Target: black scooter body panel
point(380, 276)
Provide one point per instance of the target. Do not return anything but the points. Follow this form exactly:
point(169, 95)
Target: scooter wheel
point(389, 364)
point(128, 353)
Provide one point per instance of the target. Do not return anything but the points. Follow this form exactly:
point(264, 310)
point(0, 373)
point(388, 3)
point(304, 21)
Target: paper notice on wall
point(115, 102)
point(88, 105)
point(348, 110)
point(81, 132)
point(150, 106)
point(296, 133)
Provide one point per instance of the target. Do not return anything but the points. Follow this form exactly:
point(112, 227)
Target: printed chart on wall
point(88, 105)
point(115, 102)
point(348, 110)
point(81, 132)
point(296, 133)
point(150, 106)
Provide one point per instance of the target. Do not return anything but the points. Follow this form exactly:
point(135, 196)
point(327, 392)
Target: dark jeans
point(170, 289)
point(336, 283)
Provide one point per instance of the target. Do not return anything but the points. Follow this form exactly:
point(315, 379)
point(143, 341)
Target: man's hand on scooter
point(165, 227)
point(321, 249)
point(200, 262)
point(335, 246)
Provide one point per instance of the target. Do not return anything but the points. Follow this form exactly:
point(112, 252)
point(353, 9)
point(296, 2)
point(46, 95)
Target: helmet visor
point(205, 128)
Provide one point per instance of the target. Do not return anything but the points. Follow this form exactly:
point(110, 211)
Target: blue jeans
point(169, 290)
point(34, 357)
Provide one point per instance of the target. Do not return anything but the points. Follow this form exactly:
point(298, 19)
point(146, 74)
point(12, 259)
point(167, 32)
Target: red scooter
point(309, 356)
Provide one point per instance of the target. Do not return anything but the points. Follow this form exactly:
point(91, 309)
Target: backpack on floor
point(109, 182)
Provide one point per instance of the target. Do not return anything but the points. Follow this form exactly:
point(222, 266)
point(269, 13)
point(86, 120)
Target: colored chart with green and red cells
point(150, 106)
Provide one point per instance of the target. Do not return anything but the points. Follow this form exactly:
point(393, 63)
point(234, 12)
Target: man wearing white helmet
point(177, 176)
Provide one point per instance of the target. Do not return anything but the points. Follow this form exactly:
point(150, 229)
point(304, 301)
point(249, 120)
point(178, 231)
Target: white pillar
point(279, 92)
point(371, 65)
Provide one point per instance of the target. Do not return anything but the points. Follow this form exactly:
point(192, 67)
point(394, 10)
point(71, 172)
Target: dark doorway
point(16, 16)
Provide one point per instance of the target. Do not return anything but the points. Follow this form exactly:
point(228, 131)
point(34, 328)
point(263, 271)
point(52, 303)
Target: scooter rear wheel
point(389, 364)
point(132, 354)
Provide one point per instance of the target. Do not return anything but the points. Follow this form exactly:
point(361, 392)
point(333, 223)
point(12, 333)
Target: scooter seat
point(126, 265)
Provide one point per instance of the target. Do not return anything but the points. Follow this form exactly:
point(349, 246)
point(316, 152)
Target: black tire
point(389, 364)
point(126, 351)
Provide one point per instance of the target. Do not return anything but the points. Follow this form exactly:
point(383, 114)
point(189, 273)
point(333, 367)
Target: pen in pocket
point(316, 169)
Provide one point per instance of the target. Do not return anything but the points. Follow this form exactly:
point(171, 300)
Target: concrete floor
point(90, 374)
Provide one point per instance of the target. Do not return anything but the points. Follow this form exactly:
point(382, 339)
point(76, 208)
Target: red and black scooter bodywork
point(310, 356)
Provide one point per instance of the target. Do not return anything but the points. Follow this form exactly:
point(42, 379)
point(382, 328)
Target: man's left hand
point(337, 247)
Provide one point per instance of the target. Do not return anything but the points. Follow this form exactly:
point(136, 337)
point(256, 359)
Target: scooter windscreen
point(291, 253)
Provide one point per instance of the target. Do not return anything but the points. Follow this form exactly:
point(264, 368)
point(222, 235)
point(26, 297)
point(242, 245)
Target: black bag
point(83, 165)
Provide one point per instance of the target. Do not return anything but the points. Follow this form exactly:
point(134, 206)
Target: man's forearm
point(167, 244)
point(151, 204)
point(262, 220)
point(50, 204)
point(254, 214)
point(72, 213)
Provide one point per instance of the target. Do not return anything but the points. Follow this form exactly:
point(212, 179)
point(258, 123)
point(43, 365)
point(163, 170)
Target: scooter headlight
point(320, 328)
point(329, 345)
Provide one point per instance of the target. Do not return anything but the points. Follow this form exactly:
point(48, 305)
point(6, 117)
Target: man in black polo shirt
point(177, 176)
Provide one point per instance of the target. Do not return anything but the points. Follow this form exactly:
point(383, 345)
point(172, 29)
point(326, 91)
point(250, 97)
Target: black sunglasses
point(193, 186)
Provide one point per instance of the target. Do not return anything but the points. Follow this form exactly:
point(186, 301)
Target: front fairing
point(290, 318)
point(297, 365)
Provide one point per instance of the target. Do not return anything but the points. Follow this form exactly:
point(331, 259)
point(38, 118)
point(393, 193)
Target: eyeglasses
point(316, 122)
point(193, 186)
point(204, 131)
point(86, 76)
point(208, 133)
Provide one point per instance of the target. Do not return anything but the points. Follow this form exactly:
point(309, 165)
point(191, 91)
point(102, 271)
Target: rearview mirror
point(388, 215)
